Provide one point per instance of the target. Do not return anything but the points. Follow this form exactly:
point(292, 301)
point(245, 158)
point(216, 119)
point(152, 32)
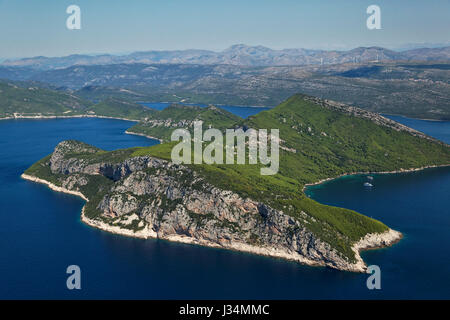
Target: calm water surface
point(243, 112)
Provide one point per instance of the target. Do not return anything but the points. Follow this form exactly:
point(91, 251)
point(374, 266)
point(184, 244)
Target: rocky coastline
point(143, 135)
point(39, 117)
point(302, 246)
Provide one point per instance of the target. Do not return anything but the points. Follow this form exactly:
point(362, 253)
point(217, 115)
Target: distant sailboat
point(370, 178)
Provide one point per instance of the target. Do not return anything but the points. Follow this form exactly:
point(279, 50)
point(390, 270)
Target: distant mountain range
point(413, 83)
point(239, 54)
point(414, 89)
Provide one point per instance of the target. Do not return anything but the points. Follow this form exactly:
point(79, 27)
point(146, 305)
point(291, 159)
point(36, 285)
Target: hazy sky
point(38, 27)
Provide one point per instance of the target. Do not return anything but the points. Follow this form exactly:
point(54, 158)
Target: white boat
point(367, 184)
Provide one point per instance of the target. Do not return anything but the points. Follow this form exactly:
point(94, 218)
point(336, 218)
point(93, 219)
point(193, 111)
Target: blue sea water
point(41, 234)
point(241, 111)
point(437, 129)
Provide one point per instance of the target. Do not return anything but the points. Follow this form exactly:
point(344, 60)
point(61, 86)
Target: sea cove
point(42, 234)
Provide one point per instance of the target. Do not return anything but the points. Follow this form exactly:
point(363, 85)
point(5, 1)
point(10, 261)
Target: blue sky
point(37, 27)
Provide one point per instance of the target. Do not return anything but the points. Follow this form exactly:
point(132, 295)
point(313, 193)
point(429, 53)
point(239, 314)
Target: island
point(139, 192)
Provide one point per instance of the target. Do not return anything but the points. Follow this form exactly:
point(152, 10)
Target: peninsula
point(140, 192)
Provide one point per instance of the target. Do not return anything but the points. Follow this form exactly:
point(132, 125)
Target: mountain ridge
point(239, 54)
